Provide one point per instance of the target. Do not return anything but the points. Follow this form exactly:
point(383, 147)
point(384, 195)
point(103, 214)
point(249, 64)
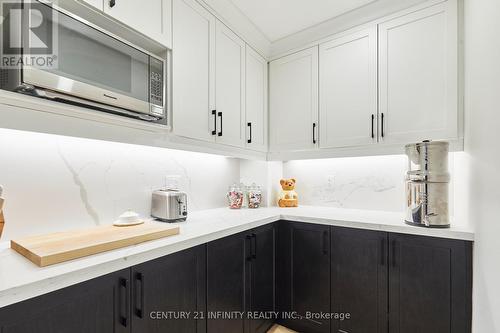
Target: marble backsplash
point(360, 182)
point(55, 183)
point(374, 182)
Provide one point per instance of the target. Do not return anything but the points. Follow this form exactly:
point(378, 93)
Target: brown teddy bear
point(288, 196)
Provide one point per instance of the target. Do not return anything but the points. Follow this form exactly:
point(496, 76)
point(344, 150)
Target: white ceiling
point(280, 18)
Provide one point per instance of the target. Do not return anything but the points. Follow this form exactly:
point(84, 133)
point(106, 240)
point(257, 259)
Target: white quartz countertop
point(20, 279)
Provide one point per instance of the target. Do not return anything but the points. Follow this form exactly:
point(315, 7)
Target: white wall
point(482, 108)
point(54, 183)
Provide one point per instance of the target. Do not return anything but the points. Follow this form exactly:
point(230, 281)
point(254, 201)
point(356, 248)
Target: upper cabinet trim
point(320, 34)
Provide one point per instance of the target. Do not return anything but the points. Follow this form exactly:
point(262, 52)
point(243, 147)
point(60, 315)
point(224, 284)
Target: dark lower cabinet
point(261, 269)
point(99, 305)
point(226, 283)
point(241, 281)
point(359, 271)
point(386, 282)
point(429, 285)
point(303, 279)
point(169, 293)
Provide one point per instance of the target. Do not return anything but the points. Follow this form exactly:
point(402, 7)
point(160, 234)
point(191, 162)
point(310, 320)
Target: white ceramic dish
point(128, 218)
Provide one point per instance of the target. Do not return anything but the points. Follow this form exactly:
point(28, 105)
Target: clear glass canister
point(254, 196)
point(235, 197)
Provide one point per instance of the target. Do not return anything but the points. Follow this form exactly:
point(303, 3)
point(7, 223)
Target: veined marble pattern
point(55, 183)
point(20, 279)
point(372, 182)
point(362, 182)
point(339, 194)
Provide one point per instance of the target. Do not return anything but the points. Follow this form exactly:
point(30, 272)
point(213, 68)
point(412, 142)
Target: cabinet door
point(261, 272)
point(256, 100)
point(359, 280)
point(304, 275)
point(193, 71)
point(430, 285)
point(229, 86)
point(99, 305)
point(348, 90)
point(418, 75)
point(152, 18)
point(293, 101)
point(173, 284)
point(226, 289)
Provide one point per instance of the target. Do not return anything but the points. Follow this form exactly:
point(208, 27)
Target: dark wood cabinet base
point(99, 305)
point(312, 278)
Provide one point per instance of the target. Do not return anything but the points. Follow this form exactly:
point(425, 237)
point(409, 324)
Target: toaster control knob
point(184, 213)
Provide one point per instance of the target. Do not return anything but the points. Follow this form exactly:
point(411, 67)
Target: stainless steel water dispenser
point(427, 182)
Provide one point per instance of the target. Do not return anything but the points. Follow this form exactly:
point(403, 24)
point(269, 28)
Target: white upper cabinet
point(150, 17)
point(348, 90)
point(193, 74)
point(388, 83)
point(229, 86)
point(208, 61)
point(256, 100)
point(293, 101)
point(418, 75)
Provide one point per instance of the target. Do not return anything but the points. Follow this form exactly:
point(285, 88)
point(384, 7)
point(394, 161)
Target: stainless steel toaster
point(169, 205)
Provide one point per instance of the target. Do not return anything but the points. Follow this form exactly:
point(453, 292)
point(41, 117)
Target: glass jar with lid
point(254, 196)
point(235, 196)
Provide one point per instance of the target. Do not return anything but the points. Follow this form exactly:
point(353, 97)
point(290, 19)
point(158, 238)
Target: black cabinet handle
point(126, 306)
point(254, 251)
point(382, 125)
point(139, 284)
point(373, 132)
point(220, 115)
point(382, 251)
point(314, 133)
point(342, 331)
point(112, 3)
point(214, 113)
point(325, 242)
point(394, 246)
point(250, 127)
point(249, 241)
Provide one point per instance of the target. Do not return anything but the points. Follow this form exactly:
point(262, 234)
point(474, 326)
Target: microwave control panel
point(156, 82)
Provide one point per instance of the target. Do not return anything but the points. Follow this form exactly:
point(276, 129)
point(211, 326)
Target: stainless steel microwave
point(94, 68)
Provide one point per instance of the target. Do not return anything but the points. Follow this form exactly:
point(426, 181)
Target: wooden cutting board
point(45, 250)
